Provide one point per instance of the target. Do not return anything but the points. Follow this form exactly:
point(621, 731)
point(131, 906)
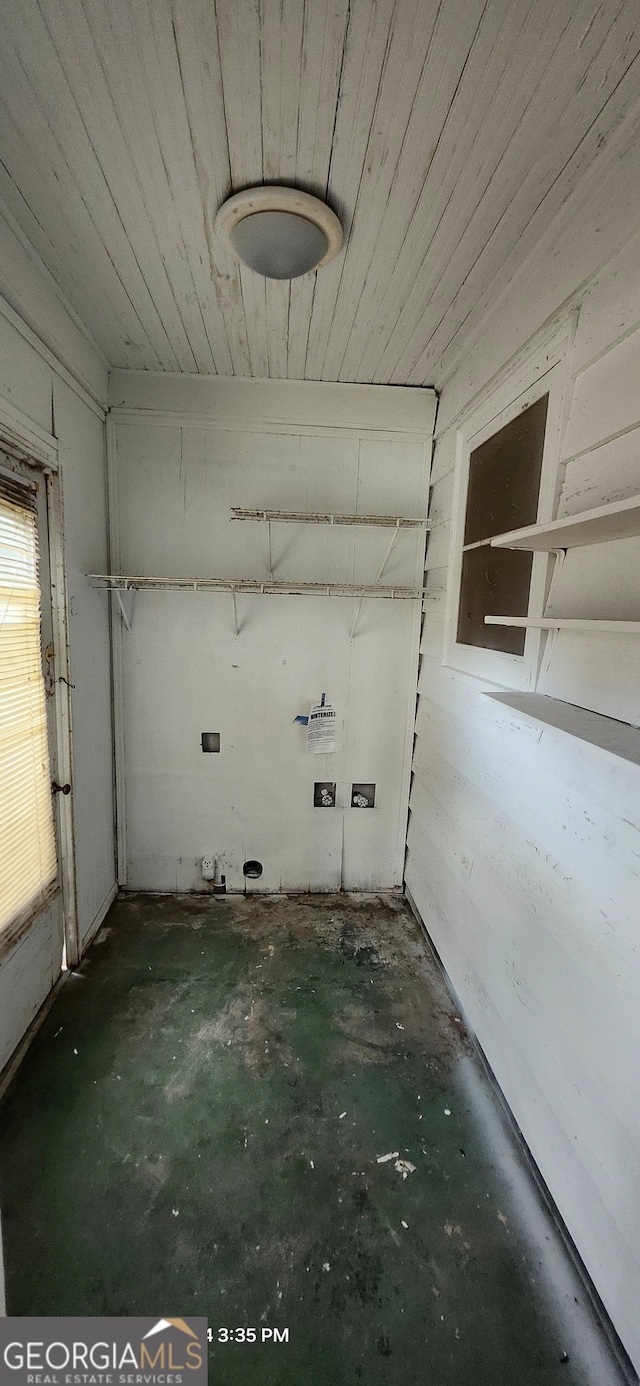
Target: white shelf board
point(565, 623)
point(117, 582)
point(618, 520)
point(604, 733)
point(305, 517)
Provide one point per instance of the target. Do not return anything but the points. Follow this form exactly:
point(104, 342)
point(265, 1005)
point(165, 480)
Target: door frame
point(28, 442)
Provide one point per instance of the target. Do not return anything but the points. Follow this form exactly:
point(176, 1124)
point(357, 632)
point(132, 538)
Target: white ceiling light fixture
point(280, 233)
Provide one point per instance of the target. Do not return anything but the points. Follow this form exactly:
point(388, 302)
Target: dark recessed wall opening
point(504, 485)
point(210, 741)
point(252, 870)
point(504, 476)
point(495, 582)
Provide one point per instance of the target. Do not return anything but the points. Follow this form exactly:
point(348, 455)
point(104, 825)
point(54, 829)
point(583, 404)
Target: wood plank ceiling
point(445, 133)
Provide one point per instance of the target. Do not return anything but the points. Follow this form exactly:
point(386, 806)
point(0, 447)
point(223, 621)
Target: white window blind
point(27, 840)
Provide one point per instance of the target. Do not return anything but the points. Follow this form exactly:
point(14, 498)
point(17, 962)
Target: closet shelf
point(565, 623)
point(605, 734)
point(117, 582)
point(305, 517)
point(618, 520)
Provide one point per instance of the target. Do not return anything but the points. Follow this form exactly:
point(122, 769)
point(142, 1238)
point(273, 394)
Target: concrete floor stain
point(196, 1130)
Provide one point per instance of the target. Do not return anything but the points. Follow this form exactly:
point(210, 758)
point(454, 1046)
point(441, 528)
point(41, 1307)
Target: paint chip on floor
point(404, 1167)
point(393, 1155)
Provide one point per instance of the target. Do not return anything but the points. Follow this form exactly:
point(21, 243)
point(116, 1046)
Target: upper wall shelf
point(604, 733)
point(304, 517)
point(565, 623)
point(118, 582)
point(619, 520)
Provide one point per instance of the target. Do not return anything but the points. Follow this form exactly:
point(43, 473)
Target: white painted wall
point(208, 446)
point(64, 397)
point(523, 852)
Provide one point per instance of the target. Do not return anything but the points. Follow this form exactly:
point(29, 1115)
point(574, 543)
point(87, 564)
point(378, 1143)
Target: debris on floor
point(82, 1181)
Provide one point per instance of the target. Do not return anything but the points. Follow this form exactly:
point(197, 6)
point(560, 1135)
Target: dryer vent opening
point(252, 870)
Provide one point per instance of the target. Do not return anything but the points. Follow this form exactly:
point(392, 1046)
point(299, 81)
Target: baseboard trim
point(600, 1313)
point(87, 939)
point(238, 892)
point(11, 1067)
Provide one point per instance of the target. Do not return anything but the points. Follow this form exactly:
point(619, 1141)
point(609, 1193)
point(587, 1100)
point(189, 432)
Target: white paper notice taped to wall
point(321, 728)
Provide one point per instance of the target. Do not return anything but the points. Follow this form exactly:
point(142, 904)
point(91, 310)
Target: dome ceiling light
point(279, 232)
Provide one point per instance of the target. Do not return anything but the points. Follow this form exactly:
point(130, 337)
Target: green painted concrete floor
point(197, 1128)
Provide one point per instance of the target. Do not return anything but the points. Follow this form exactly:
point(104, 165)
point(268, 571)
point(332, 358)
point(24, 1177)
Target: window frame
point(543, 372)
point(34, 480)
point(31, 452)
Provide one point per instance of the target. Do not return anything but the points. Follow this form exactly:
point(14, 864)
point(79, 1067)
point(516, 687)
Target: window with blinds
point(27, 839)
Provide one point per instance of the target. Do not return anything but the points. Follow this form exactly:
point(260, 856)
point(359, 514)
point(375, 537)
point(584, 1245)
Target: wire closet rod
point(305, 517)
point(119, 583)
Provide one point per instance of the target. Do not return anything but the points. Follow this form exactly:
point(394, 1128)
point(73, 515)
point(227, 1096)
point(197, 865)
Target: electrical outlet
point(208, 868)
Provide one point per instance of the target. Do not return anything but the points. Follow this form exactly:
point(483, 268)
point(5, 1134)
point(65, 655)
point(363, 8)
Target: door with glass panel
point(31, 913)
